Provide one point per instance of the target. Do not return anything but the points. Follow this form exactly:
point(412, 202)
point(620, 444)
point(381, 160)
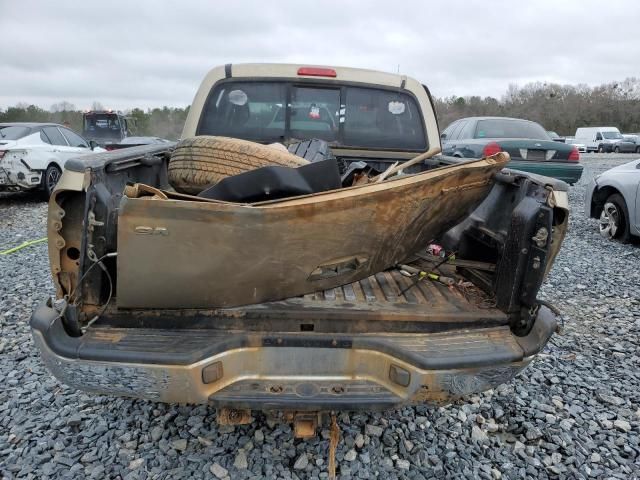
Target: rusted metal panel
point(215, 254)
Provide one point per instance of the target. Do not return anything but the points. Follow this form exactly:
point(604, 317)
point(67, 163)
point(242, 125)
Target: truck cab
point(106, 126)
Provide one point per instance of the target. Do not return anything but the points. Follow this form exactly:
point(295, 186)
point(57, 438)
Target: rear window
point(13, 132)
point(101, 121)
point(503, 128)
point(342, 115)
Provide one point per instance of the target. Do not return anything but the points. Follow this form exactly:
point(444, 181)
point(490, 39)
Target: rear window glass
point(73, 138)
point(101, 121)
point(55, 136)
point(13, 132)
point(504, 128)
point(342, 115)
point(382, 119)
point(252, 111)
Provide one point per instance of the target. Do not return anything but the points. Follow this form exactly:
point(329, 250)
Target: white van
point(598, 139)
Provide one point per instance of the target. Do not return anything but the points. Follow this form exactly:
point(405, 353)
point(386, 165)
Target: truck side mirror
point(92, 144)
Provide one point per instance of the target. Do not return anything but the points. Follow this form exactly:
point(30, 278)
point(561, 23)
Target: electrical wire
point(70, 300)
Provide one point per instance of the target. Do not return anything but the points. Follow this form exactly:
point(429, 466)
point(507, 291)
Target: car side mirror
point(443, 136)
point(92, 144)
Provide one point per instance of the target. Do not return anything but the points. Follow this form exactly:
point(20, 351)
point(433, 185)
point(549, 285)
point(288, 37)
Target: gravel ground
point(575, 413)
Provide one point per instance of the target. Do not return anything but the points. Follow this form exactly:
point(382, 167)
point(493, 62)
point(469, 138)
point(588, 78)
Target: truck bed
point(374, 304)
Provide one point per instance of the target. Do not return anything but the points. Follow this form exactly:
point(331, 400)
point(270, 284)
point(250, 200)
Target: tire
point(616, 149)
point(200, 162)
point(50, 179)
point(600, 149)
point(637, 149)
point(316, 150)
point(614, 219)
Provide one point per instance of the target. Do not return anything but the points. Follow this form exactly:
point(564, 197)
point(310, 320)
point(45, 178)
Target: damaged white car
point(32, 155)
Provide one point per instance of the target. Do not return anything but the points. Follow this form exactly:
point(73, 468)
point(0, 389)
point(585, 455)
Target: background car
point(555, 137)
point(614, 198)
point(621, 144)
point(582, 148)
point(530, 146)
point(633, 138)
point(32, 155)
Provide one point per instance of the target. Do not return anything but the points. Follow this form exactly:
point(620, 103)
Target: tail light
point(574, 156)
point(317, 72)
point(109, 147)
point(2, 154)
point(491, 149)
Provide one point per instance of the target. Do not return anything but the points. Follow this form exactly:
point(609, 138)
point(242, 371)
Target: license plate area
point(533, 154)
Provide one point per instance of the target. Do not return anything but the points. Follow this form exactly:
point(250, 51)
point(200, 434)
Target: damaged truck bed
point(361, 346)
point(157, 296)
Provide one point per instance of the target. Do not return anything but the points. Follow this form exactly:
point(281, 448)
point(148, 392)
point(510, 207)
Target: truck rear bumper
point(287, 371)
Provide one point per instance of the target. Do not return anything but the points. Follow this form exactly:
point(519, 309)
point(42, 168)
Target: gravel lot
point(574, 414)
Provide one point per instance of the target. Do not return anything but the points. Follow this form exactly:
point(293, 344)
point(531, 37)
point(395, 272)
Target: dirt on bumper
point(363, 374)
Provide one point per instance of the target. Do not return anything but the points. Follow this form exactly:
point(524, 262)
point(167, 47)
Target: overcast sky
point(142, 54)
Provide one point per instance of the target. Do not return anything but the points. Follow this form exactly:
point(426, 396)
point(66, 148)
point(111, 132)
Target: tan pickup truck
point(372, 343)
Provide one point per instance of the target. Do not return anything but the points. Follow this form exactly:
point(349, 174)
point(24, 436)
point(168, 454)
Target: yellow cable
point(23, 245)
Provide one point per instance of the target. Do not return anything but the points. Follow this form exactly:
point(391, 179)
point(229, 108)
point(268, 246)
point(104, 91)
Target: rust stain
point(233, 416)
point(108, 336)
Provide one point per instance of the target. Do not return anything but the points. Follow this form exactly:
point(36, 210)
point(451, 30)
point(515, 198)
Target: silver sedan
point(614, 199)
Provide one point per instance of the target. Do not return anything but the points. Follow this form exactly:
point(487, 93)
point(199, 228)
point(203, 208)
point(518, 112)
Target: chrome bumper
point(366, 373)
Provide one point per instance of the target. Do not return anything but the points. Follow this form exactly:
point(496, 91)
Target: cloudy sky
point(152, 53)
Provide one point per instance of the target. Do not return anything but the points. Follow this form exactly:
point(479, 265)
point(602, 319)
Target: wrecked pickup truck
point(142, 273)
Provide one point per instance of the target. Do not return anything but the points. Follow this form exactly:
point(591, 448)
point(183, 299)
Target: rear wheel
point(638, 149)
point(614, 217)
point(51, 177)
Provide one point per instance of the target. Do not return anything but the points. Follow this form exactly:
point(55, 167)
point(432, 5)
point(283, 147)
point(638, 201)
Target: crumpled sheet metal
point(188, 253)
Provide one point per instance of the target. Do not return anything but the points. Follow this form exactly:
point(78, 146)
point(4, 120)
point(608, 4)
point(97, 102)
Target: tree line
point(561, 108)
point(165, 122)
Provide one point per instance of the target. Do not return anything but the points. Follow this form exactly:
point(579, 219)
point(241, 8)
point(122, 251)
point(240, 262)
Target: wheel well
point(44, 172)
point(53, 162)
point(599, 197)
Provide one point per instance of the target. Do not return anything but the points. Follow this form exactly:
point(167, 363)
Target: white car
point(582, 148)
point(32, 155)
point(614, 198)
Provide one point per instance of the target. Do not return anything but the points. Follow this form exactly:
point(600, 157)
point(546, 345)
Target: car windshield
point(341, 115)
point(506, 128)
point(612, 135)
point(13, 132)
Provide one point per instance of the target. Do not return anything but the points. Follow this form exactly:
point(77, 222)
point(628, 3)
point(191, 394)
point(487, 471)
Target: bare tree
point(63, 106)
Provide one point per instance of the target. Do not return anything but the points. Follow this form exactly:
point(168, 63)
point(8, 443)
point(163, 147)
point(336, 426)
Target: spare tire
point(199, 162)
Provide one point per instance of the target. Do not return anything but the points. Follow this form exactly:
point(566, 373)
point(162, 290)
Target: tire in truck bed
point(199, 162)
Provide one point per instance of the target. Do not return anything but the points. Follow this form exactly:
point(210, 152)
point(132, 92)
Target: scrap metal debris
point(334, 437)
